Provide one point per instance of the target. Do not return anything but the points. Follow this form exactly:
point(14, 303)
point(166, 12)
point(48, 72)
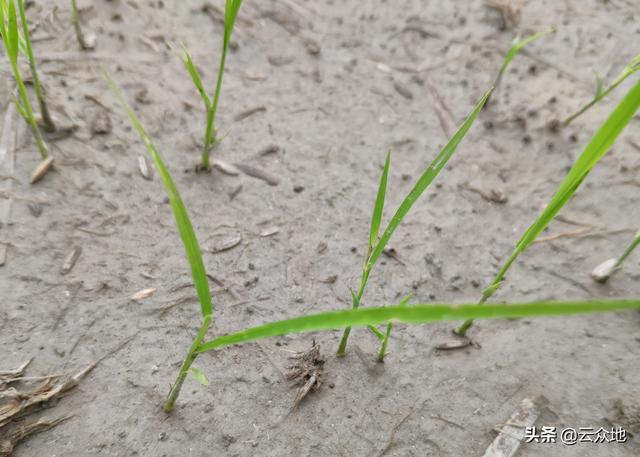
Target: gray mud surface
point(376, 84)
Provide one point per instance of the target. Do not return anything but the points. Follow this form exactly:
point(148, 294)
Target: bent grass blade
point(631, 68)
point(189, 240)
point(595, 150)
point(415, 314)
point(516, 46)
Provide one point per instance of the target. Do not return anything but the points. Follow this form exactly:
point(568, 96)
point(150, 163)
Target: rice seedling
point(211, 138)
point(377, 241)
point(373, 249)
point(420, 313)
point(13, 42)
point(631, 68)
point(606, 269)
point(600, 143)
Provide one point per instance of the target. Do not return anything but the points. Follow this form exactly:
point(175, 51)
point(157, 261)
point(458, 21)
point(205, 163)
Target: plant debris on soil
point(306, 372)
point(17, 403)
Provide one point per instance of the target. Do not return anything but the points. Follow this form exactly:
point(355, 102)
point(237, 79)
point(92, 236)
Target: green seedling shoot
point(377, 241)
point(13, 42)
point(211, 138)
point(631, 68)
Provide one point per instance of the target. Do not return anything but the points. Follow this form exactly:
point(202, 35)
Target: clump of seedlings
point(16, 42)
point(631, 68)
point(211, 138)
point(377, 242)
point(600, 143)
point(606, 269)
point(419, 313)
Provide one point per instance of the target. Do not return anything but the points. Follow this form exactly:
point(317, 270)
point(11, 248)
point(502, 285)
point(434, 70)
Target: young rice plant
point(377, 243)
point(211, 138)
point(14, 43)
point(337, 319)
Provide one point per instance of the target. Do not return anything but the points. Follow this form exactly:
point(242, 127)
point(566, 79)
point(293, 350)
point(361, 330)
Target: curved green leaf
point(516, 47)
point(414, 314)
point(183, 222)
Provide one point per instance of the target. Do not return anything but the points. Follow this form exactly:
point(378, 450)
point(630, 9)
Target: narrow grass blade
point(385, 341)
point(3, 24)
point(185, 228)
point(599, 84)
point(21, 109)
point(516, 47)
point(25, 45)
point(627, 252)
point(631, 68)
point(230, 13)
point(379, 205)
point(199, 376)
point(595, 150)
point(426, 179)
point(195, 76)
point(12, 32)
point(415, 314)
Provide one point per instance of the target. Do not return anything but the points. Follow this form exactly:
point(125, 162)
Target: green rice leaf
point(379, 205)
point(3, 23)
point(183, 222)
point(599, 84)
point(415, 314)
point(199, 376)
point(21, 110)
point(631, 68)
point(195, 76)
point(230, 13)
point(426, 179)
point(518, 44)
point(376, 331)
point(595, 150)
point(12, 32)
